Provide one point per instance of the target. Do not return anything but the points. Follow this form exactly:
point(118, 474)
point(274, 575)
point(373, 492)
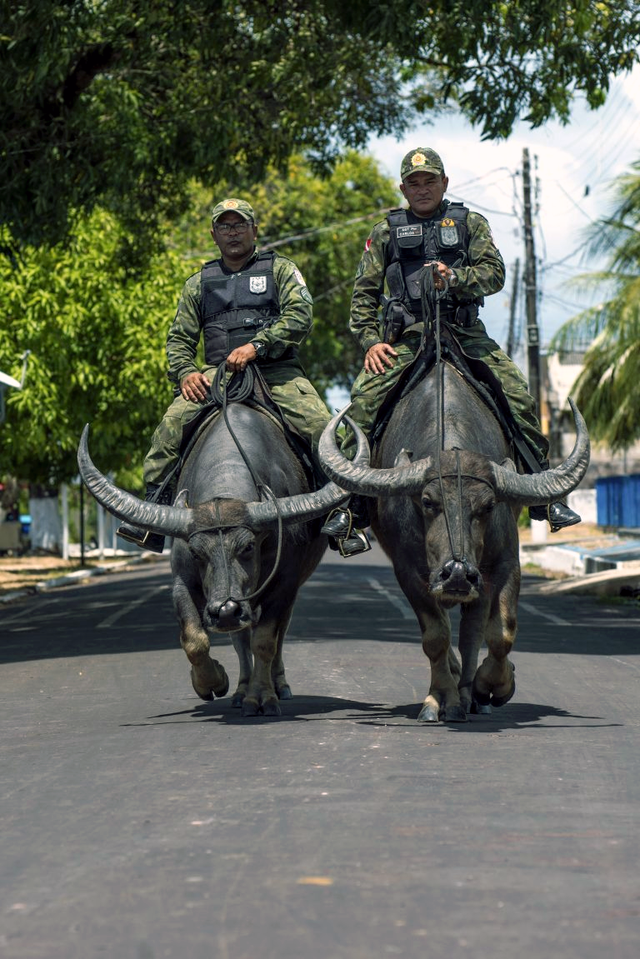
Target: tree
point(607, 389)
point(96, 321)
point(122, 103)
point(96, 333)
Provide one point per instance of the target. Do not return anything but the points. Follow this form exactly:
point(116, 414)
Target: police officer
point(459, 247)
point(249, 307)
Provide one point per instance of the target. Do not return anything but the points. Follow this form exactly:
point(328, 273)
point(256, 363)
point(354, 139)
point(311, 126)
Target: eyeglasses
point(225, 228)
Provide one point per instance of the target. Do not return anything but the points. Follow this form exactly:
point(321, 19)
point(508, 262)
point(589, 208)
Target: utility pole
point(533, 336)
point(511, 337)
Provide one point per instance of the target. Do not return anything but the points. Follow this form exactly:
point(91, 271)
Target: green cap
point(233, 205)
point(421, 160)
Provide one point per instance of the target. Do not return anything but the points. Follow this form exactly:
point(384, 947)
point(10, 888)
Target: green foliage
point(607, 388)
point(96, 334)
point(120, 104)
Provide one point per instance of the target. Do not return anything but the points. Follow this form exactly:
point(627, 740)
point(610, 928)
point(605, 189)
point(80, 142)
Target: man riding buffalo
point(249, 307)
point(466, 266)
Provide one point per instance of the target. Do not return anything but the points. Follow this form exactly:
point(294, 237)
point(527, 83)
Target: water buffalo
point(447, 502)
point(238, 559)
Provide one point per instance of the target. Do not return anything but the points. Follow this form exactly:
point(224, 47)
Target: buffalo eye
point(429, 506)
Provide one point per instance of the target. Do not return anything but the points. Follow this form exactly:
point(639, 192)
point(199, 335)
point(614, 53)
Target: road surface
point(138, 822)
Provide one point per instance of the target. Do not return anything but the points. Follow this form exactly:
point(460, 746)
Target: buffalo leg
point(261, 695)
point(282, 688)
point(494, 681)
point(443, 699)
point(473, 625)
point(242, 644)
point(208, 676)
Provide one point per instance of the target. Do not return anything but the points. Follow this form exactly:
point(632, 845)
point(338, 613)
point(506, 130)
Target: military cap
point(421, 160)
point(233, 205)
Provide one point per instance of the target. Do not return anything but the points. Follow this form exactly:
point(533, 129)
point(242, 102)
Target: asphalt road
point(137, 822)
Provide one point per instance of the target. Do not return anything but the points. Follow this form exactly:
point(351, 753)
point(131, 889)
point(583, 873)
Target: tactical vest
point(236, 306)
point(414, 241)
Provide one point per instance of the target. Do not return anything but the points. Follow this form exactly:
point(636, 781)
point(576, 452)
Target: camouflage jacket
point(289, 330)
point(484, 275)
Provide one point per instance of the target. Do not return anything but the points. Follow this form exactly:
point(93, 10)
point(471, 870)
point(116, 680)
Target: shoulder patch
point(299, 277)
point(304, 293)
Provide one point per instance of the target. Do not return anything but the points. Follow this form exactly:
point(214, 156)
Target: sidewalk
point(23, 575)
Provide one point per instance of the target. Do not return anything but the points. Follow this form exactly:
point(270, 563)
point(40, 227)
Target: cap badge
point(418, 159)
point(230, 204)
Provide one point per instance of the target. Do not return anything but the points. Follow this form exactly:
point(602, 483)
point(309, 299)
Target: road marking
point(399, 604)
point(537, 612)
point(110, 620)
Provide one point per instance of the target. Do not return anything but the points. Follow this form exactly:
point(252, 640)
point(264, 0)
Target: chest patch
point(448, 233)
point(413, 229)
point(258, 284)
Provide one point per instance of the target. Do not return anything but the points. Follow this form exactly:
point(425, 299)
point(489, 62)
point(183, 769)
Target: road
point(138, 822)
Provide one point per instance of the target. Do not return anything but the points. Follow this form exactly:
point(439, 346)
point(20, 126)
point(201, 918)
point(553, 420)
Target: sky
point(573, 165)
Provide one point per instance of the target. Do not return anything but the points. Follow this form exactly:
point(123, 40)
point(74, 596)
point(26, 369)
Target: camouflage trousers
point(370, 389)
point(296, 397)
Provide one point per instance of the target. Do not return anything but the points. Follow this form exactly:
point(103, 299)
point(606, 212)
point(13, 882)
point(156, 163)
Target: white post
point(64, 497)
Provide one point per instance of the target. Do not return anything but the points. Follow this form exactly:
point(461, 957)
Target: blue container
point(618, 501)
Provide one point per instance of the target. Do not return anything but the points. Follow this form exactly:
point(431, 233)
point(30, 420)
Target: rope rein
point(227, 390)
point(429, 294)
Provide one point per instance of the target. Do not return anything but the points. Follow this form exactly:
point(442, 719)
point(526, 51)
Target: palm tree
point(608, 388)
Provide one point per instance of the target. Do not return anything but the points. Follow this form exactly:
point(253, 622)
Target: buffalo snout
point(457, 577)
point(226, 617)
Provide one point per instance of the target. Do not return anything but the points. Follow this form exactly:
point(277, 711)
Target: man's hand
point(378, 357)
point(195, 387)
point(238, 358)
point(441, 272)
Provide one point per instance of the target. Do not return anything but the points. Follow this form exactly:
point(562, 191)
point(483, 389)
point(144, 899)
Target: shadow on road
point(320, 708)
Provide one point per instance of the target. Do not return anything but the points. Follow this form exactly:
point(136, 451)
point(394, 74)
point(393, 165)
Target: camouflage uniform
point(290, 388)
point(483, 275)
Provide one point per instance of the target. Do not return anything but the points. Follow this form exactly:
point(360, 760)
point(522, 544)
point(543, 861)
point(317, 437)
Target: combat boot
point(344, 525)
point(558, 515)
point(143, 538)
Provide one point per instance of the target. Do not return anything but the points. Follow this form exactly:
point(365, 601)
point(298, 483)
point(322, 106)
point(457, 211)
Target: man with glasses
point(248, 307)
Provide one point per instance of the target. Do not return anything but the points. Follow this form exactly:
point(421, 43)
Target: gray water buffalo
point(447, 503)
point(240, 553)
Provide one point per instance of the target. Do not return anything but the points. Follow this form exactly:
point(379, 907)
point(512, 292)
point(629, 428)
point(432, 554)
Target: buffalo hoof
point(454, 714)
point(479, 709)
point(271, 708)
point(237, 700)
point(497, 699)
point(428, 714)
point(250, 708)
point(284, 692)
point(206, 692)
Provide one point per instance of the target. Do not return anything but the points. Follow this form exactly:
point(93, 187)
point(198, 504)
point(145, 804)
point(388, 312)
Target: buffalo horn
point(362, 478)
point(551, 485)
point(303, 507)
point(169, 520)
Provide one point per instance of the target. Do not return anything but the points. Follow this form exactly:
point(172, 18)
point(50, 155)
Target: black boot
point(559, 515)
point(154, 542)
point(344, 525)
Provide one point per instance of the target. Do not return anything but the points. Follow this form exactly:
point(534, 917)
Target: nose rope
point(221, 388)
point(429, 291)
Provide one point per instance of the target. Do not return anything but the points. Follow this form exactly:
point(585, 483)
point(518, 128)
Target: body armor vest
point(236, 306)
point(413, 242)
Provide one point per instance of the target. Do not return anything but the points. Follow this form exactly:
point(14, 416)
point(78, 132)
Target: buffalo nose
point(459, 572)
point(225, 613)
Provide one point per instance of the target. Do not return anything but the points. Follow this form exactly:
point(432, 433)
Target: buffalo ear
point(404, 458)
point(181, 498)
point(509, 465)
